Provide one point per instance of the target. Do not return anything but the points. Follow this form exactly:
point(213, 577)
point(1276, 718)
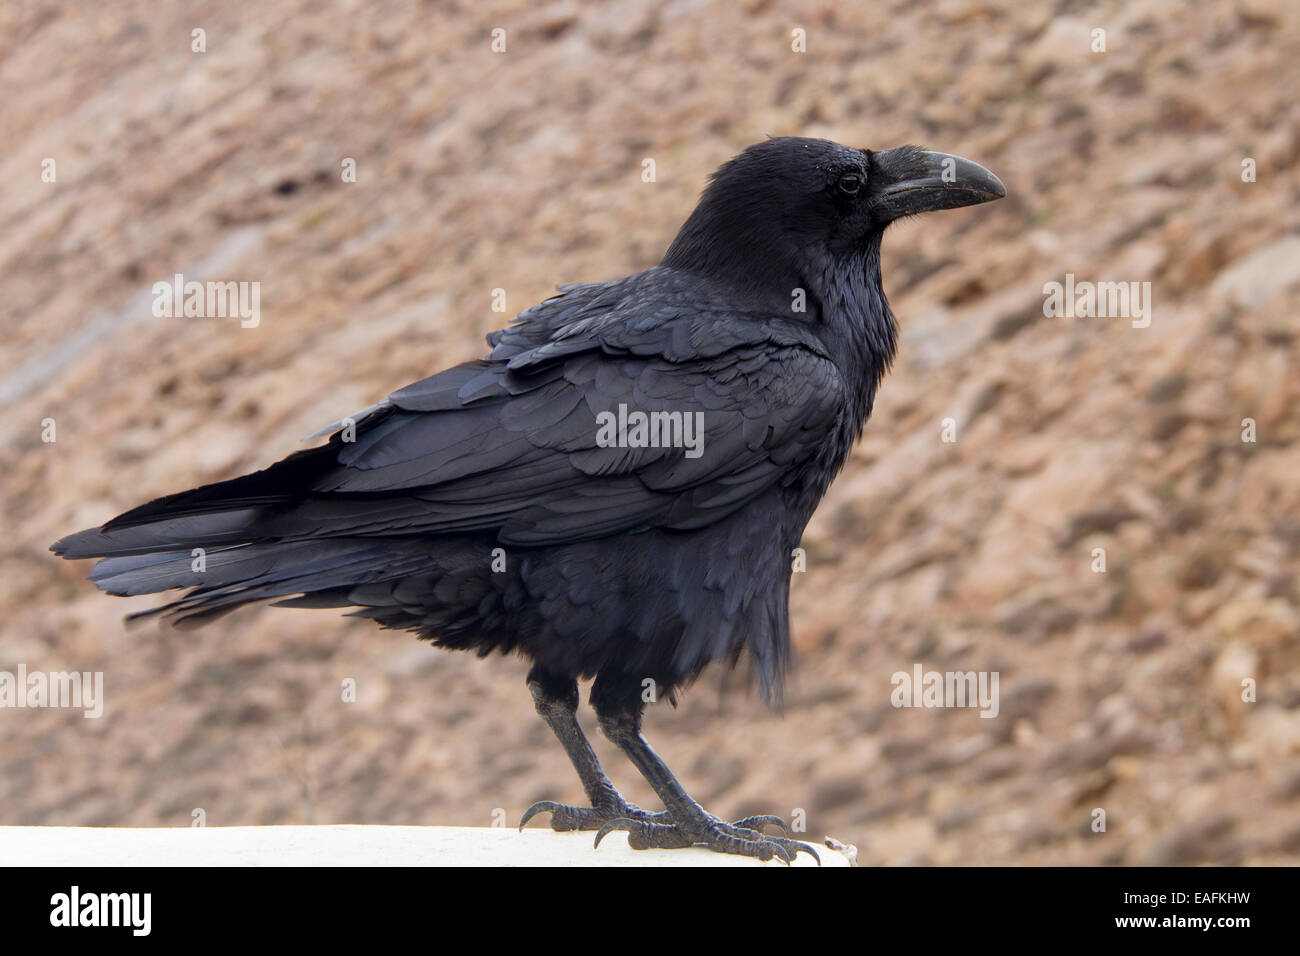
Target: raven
point(614, 492)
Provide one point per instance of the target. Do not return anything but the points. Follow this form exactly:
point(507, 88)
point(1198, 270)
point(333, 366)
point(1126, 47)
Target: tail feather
point(212, 530)
point(260, 573)
point(278, 484)
point(222, 542)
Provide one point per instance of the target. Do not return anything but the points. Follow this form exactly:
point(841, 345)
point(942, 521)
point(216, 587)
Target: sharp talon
point(758, 822)
point(744, 837)
point(805, 848)
point(619, 823)
point(541, 806)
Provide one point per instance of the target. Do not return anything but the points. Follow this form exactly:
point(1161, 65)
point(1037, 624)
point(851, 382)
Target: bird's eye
point(850, 183)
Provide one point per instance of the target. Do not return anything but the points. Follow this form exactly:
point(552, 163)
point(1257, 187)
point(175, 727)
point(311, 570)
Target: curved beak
point(909, 181)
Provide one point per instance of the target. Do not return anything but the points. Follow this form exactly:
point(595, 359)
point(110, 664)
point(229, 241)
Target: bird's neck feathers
point(854, 320)
point(839, 292)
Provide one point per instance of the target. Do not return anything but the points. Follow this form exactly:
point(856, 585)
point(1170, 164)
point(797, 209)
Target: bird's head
point(789, 202)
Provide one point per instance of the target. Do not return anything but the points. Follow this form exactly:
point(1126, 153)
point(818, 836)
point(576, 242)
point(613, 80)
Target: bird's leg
point(556, 699)
point(689, 824)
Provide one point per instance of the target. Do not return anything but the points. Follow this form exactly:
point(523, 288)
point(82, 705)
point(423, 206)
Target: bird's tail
point(212, 540)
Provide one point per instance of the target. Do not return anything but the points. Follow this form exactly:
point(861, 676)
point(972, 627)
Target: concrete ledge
point(352, 846)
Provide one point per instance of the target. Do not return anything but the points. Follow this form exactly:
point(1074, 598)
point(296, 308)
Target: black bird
point(615, 491)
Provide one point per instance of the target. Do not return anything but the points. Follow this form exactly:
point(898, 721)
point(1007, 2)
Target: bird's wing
point(511, 445)
point(517, 447)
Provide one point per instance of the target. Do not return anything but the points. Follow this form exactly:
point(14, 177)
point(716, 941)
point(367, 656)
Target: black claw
point(618, 823)
point(758, 822)
point(565, 818)
point(720, 837)
point(541, 806)
point(799, 847)
point(744, 837)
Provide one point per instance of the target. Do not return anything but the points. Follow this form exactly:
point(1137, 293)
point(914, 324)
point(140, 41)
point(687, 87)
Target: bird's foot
point(743, 838)
point(565, 818)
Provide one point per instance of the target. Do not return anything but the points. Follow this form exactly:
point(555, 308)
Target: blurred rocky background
point(478, 170)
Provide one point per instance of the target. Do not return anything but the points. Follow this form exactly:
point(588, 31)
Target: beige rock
point(1257, 277)
point(1262, 624)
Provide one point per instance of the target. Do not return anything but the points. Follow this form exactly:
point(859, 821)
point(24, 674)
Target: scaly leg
point(688, 823)
point(557, 703)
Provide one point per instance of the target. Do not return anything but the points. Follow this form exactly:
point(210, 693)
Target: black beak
point(908, 181)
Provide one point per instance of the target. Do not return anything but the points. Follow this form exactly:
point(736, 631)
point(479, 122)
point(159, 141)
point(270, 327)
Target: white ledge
point(353, 846)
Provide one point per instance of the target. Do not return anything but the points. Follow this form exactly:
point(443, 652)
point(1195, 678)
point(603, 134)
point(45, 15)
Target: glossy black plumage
point(767, 317)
